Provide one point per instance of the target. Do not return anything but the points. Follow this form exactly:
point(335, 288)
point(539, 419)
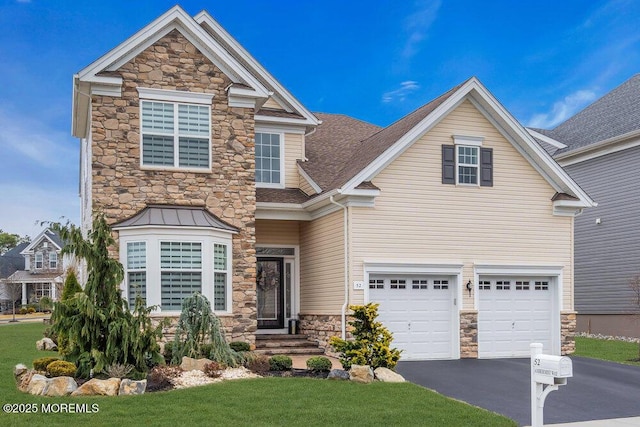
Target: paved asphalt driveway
point(598, 390)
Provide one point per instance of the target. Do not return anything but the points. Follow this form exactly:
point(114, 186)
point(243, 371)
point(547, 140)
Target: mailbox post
point(548, 370)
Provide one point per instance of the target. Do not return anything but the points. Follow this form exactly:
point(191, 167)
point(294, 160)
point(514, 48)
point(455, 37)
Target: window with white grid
point(136, 271)
point(468, 164)
point(268, 158)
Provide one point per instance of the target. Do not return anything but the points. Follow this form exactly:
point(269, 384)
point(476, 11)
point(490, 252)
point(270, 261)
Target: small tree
point(97, 326)
point(199, 334)
point(372, 341)
point(634, 284)
point(71, 285)
point(14, 292)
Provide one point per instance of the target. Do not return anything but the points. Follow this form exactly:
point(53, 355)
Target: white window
point(468, 165)
point(41, 290)
point(167, 267)
point(175, 129)
point(269, 159)
point(136, 276)
point(53, 260)
point(39, 261)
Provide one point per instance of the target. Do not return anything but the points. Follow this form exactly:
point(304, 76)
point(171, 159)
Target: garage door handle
point(409, 325)
point(513, 325)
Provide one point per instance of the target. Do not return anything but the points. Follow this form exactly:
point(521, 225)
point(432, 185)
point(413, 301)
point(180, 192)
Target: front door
point(270, 293)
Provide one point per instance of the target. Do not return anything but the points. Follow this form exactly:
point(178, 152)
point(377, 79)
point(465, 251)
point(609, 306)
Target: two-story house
point(216, 179)
point(36, 272)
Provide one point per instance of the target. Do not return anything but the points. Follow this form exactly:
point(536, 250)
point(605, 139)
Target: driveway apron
point(598, 390)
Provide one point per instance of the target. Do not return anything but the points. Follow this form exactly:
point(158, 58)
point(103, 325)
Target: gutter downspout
point(346, 268)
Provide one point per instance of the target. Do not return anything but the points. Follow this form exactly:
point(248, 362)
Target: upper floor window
point(175, 129)
point(53, 260)
point(39, 260)
point(269, 159)
point(467, 162)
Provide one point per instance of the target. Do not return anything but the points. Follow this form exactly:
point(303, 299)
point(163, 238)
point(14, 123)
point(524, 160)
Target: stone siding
point(469, 334)
point(120, 188)
point(568, 332)
point(321, 327)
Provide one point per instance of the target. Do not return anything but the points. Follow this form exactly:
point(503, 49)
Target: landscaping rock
point(361, 374)
point(388, 376)
point(61, 386)
point(19, 370)
point(96, 387)
point(189, 364)
point(46, 344)
point(129, 387)
point(38, 385)
point(338, 374)
point(25, 379)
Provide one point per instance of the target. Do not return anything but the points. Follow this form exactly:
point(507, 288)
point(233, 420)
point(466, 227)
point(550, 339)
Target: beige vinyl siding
point(273, 232)
point(418, 219)
point(306, 187)
point(271, 103)
point(322, 265)
point(293, 151)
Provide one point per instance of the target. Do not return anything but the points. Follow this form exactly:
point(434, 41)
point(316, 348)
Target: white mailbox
point(552, 370)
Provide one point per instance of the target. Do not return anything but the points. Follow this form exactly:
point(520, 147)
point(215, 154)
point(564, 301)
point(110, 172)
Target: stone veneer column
point(568, 332)
point(320, 328)
point(120, 188)
point(468, 334)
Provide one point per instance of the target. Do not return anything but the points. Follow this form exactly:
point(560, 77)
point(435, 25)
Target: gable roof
point(46, 234)
point(616, 114)
point(249, 79)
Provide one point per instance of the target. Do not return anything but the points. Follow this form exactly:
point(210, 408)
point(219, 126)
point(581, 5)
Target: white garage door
point(513, 313)
point(419, 313)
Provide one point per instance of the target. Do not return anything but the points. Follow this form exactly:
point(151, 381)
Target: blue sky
point(374, 60)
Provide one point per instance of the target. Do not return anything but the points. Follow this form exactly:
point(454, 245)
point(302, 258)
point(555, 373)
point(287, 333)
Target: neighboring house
point(216, 179)
point(34, 271)
point(600, 148)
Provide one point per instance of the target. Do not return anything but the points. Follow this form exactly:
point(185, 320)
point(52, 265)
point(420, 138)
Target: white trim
point(280, 184)
point(205, 20)
point(545, 138)
point(179, 96)
point(467, 165)
point(307, 178)
point(599, 149)
point(295, 306)
point(35, 242)
point(468, 140)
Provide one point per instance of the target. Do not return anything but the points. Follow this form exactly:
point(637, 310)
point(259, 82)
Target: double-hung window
point(53, 260)
point(180, 272)
point(269, 159)
point(175, 129)
point(136, 271)
point(39, 260)
point(467, 162)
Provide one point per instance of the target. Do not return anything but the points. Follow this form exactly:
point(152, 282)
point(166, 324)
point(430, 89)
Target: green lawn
point(260, 402)
point(614, 351)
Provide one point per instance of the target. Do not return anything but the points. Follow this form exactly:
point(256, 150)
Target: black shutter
point(449, 164)
point(486, 167)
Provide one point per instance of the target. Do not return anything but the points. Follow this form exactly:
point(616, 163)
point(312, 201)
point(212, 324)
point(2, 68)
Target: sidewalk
point(35, 317)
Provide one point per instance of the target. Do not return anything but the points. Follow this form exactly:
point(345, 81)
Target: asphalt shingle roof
point(12, 261)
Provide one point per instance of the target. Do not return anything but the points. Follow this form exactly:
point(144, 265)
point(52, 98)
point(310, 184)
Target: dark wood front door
point(270, 293)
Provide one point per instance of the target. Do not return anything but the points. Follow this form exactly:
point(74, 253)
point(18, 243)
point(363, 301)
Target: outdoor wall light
point(469, 287)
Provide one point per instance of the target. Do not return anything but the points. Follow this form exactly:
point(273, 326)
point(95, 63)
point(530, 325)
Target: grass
point(258, 402)
point(611, 350)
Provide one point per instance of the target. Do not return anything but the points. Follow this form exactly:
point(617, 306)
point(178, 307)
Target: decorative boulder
point(46, 344)
point(61, 386)
point(361, 374)
point(96, 387)
point(338, 374)
point(129, 387)
point(386, 375)
point(19, 370)
point(38, 385)
point(189, 364)
point(25, 379)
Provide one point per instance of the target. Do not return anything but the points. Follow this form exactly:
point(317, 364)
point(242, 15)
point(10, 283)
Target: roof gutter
point(345, 305)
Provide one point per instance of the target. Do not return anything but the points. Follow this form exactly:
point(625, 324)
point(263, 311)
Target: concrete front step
point(271, 344)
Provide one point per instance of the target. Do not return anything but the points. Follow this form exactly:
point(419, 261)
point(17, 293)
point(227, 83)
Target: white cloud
point(417, 25)
point(24, 206)
point(562, 110)
point(401, 93)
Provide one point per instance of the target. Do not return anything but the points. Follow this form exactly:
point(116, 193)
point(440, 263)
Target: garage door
point(513, 313)
point(419, 313)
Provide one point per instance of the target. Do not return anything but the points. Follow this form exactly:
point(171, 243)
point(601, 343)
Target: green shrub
point(257, 363)
point(45, 304)
point(280, 362)
point(31, 310)
point(168, 351)
point(372, 341)
point(240, 346)
point(319, 364)
point(23, 310)
point(61, 368)
point(206, 350)
point(42, 363)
